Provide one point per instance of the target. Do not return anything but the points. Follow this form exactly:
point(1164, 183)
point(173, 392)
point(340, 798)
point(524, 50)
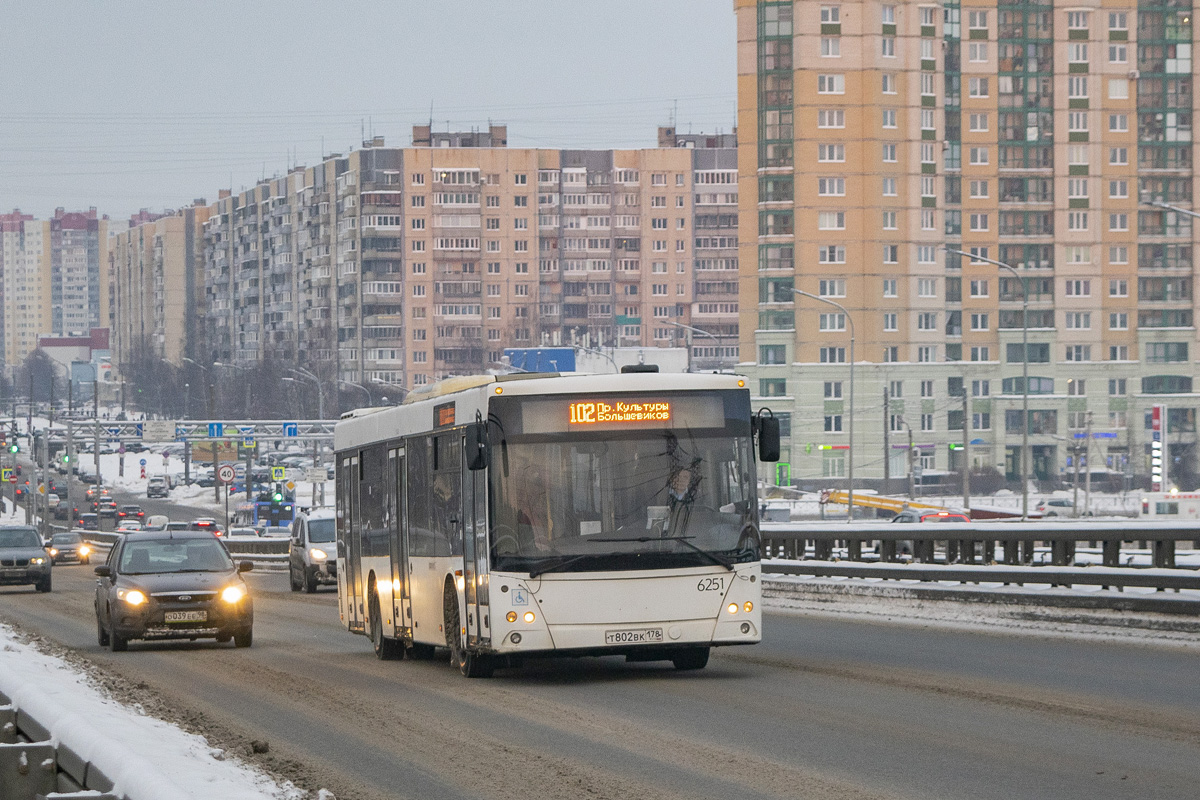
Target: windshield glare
point(564, 499)
point(321, 530)
point(174, 555)
point(20, 537)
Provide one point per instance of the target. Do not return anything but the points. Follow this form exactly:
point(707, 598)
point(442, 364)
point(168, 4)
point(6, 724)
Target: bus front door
point(475, 556)
point(352, 541)
point(402, 599)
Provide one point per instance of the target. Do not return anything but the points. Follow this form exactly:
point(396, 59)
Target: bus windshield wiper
point(554, 565)
point(727, 564)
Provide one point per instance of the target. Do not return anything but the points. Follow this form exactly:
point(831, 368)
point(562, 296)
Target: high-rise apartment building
point(52, 276)
point(156, 271)
point(404, 265)
point(1037, 134)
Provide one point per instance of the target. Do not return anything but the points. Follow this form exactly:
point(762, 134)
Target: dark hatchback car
point(23, 558)
point(172, 585)
point(89, 521)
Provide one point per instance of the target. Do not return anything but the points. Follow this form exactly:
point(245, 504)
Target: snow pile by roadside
point(143, 756)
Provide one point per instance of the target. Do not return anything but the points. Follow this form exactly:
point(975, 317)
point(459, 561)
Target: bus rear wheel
point(691, 658)
point(385, 649)
point(471, 665)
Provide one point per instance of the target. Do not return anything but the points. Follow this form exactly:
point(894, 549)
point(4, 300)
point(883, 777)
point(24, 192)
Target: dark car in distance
point(69, 547)
point(24, 558)
point(89, 521)
point(172, 585)
point(106, 507)
point(131, 512)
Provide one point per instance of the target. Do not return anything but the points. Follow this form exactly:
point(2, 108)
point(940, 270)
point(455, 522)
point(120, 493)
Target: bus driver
point(535, 523)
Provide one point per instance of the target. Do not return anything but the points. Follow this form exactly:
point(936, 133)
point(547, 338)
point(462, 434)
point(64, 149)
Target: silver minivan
point(312, 556)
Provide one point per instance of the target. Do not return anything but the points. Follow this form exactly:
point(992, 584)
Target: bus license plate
point(186, 616)
point(640, 636)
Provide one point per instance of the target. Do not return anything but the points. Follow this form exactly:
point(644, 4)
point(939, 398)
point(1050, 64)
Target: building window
point(831, 118)
point(832, 355)
point(889, 222)
point(889, 152)
point(890, 321)
point(831, 15)
point(832, 152)
point(1118, 288)
point(889, 117)
point(1118, 89)
point(977, 20)
point(979, 322)
point(1077, 87)
point(891, 354)
point(831, 47)
point(978, 122)
point(888, 47)
point(981, 353)
point(831, 187)
point(978, 155)
point(1118, 123)
point(1118, 156)
point(831, 84)
point(1118, 321)
point(926, 287)
point(1118, 222)
point(889, 287)
point(977, 87)
point(833, 423)
point(927, 353)
point(831, 254)
point(889, 83)
point(977, 51)
point(834, 287)
point(1079, 352)
point(833, 390)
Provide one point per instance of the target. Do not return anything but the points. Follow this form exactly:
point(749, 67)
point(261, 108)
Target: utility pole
point(966, 450)
point(887, 452)
point(70, 466)
point(912, 460)
point(1087, 477)
point(1075, 495)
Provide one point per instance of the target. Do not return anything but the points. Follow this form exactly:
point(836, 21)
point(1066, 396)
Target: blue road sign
point(291, 429)
point(142, 462)
point(247, 432)
point(215, 430)
point(180, 433)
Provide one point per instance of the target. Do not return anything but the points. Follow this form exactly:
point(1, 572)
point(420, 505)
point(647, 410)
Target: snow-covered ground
point(146, 758)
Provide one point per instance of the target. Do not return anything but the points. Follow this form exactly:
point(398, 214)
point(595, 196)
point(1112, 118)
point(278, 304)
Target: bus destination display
point(596, 412)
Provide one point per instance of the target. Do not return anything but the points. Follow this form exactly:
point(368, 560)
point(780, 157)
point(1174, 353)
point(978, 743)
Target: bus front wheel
point(471, 665)
point(691, 658)
point(385, 649)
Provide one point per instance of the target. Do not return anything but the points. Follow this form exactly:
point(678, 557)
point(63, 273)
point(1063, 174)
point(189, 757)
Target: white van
point(312, 556)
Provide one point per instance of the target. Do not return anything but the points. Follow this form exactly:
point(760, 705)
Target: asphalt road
point(821, 709)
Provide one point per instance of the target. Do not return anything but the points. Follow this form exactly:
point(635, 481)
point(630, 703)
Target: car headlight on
point(132, 596)
point(84, 550)
point(317, 555)
point(38, 560)
point(232, 594)
point(53, 552)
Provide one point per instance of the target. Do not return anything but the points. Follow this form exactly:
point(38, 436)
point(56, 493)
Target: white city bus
point(510, 516)
point(1171, 505)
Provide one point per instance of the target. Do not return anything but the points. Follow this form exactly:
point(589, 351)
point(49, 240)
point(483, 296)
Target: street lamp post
point(317, 381)
point(700, 331)
point(207, 379)
point(850, 433)
point(1024, 369)
point(365, 390)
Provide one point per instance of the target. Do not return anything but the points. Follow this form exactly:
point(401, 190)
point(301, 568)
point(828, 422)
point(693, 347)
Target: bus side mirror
point(768, 439)
point(476, 448)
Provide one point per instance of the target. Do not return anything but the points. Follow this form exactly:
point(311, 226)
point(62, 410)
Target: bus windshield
point(647, 498)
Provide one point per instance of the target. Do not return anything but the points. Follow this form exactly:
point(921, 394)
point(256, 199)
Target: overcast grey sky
point(125, 105)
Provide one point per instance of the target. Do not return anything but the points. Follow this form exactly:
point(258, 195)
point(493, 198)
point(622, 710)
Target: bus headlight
point(748, 607)
point(511, 616)
point(232, 594)
point(733, 608)
point(317, 555)
point(529, 616)
point(133, 597)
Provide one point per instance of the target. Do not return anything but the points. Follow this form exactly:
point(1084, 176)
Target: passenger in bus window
point(534, 525)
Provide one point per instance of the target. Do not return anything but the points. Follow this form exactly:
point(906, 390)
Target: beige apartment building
point(52, 278)
point(874, 136)
point(156, 271)
point(399, 266)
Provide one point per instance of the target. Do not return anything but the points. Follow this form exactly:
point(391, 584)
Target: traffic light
point(66, 458)
point(14, 448)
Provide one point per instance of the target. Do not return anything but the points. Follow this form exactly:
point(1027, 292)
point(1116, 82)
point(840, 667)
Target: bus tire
point(471, 665)
point(385, 649)
point(310, 580)
point(691, 658)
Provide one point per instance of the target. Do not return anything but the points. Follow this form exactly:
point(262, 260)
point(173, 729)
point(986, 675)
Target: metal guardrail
point(33, 766)
point(976, 543)
point(267, 551)
point(1104, 577)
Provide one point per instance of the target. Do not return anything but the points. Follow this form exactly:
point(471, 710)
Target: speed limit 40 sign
point(225, 473)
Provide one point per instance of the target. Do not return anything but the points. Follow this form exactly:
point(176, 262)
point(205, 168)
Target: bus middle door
point(402, 599)
point(352, 541)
